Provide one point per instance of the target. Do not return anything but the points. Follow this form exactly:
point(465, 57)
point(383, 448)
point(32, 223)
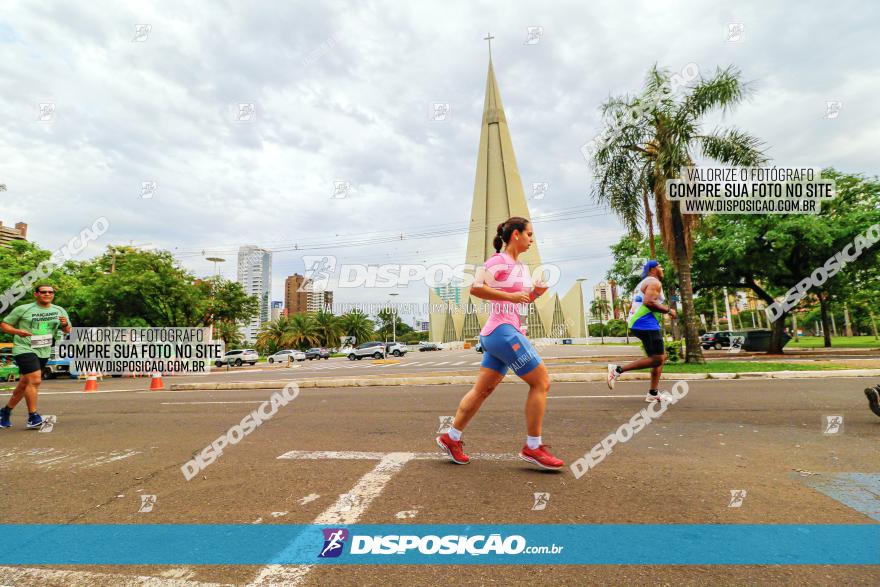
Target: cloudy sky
point(344, 92)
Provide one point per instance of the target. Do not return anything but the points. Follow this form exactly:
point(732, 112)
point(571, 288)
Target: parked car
point(56, 367)
point(716, 340)
point(287, 355)
point(238, 357)
point(368, 349)
point(318, 353)
point(428, 346)
point(8, 370)
point(397, 349)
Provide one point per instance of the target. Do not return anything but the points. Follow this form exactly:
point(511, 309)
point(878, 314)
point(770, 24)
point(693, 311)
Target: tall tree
point(389, 322)
point(304, 330)
point(229, 332)
point(649, 139)
point(128, 283)
point(770, 254)
point(275, 335)
point(600, 308)
point(224, 299)
point(329, 328)
point(358, 325)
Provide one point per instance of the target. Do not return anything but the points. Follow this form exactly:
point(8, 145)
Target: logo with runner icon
point(334, 541)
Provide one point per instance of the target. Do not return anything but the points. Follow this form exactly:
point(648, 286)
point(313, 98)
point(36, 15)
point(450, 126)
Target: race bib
point(41, 341)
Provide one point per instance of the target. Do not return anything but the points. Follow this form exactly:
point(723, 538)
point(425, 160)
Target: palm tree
point(358, 325)
point(228, 332)
point(622, 305)
point(275, 336)
point(329, 328)
point(304, 331)
point(600, 308)
point(648, 141)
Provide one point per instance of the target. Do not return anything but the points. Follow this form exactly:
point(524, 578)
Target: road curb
point(554, 377)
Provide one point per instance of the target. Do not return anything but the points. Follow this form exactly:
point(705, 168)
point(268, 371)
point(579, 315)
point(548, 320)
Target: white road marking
point(79, 391)
point(349, 507)
point(195, 402)
point(589, 396)
point(317, 455)
point(39, 576)
point(460, 363)
point(443, 363)
point(52, 460)
point(114, 457)
point(55, 457)
point(324, 455)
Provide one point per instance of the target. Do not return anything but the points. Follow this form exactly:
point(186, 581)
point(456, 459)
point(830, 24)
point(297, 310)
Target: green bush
point(673, 351)
point(610, 328)
point(413, 337)
point(615, 328)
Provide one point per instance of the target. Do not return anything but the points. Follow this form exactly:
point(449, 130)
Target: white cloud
point(343, 92)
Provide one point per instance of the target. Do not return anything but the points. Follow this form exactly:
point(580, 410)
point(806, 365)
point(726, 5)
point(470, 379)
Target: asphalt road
point(766, 437)
point(436, 362)
point(450, 361)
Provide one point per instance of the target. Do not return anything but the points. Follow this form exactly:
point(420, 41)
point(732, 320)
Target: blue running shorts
point(506, 347)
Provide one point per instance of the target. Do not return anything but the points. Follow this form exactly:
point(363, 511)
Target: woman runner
point(506, 283)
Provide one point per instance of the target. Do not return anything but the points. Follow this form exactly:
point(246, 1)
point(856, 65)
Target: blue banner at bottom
point(612, 544)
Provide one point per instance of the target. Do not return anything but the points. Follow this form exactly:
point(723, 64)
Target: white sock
point(533, 442)
point(454, 434)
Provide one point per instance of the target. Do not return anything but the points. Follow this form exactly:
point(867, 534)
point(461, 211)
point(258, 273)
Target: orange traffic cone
point(91, 382)
point(156, 383)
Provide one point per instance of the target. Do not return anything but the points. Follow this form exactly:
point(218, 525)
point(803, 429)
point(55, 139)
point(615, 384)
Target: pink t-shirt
point(505, 274)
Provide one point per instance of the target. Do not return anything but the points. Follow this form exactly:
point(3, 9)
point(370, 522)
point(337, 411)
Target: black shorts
point(652, 340)
point(29, 362)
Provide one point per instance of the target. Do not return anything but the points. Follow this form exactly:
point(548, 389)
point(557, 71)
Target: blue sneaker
point(5, 420)
point(34, 420)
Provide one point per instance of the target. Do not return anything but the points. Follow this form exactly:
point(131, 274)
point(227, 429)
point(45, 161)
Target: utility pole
point(715, 312)
point(393, 319)
point(730, 325)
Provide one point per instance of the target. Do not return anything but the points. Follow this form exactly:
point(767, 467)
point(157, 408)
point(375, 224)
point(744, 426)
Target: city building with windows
point(255, 276)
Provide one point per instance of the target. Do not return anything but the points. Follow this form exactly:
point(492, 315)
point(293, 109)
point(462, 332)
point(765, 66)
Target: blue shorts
point(508, 347)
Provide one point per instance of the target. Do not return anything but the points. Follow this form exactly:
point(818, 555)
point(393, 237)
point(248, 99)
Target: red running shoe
point(453, 449)
point(541, 457)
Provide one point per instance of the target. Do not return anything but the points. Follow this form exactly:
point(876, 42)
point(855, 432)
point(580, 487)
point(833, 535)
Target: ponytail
point(505, 230)
point(499, 238)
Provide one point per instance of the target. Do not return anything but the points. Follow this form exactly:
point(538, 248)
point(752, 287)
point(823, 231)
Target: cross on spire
point(489, 38)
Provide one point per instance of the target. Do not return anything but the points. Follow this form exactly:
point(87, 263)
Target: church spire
point(498, 190)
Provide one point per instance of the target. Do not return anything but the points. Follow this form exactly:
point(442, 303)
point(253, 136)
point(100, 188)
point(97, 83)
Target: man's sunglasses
point(46, 291)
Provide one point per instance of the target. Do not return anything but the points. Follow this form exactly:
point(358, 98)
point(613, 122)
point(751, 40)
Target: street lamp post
point(393, 319)
point(216, 260)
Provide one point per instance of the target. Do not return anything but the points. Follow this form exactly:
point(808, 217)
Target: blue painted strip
point(247, 544)
point(860, 491)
